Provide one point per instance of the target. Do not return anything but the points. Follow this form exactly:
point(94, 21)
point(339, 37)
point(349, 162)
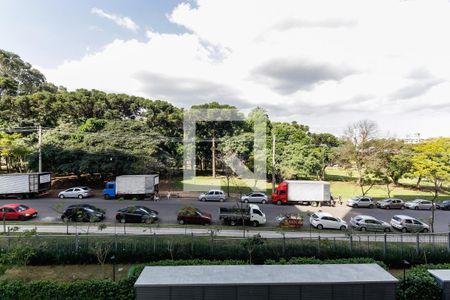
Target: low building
point(443, 279)
point(270, 282)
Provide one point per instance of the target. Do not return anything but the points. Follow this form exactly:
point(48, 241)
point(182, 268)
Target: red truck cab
point(280, 195)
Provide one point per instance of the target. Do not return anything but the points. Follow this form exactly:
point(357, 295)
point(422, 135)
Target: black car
point(445, 205)
point(83, 213)
point(137, 214)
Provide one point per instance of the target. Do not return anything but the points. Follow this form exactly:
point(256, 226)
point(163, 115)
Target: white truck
point(24, 185)
point(250, 213)
point(132, 186)
point(304, 192)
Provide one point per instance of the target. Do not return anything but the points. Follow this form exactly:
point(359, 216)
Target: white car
point(79, 192)
point(321, 220)
point(408, 224)
point(419, 204)
point(212, 195)
point(369, 223)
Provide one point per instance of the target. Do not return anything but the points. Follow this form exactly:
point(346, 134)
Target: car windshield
point(146, 210)
point(417, 201)
point(87, 209)
point(84, 188)
point(21, 208)
point(355, 198)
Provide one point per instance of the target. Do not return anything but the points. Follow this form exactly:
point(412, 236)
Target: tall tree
point(431, 160)
point(18, 77)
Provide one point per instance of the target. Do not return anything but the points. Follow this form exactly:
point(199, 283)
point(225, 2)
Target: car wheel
point(207, 223)
point(416, 208)
point(404, 230)
point(203, 199)
point(221, 200)
point(278, 202)
point(181, 222)
point(355, 205)
point(21, 218)
point(233, 222)
point(246, 201)
point(255, 223)
point(61, 196)
point(343, 227)
point(388, 207)
point(65, 219)
point(371, 206)
point(363, 229)
point(403, 207)
point(425, 230)
point(148, 220)
point(80, 196)
point(264, 202)
point(122, 220)
point(387, 230)
point(320, 226)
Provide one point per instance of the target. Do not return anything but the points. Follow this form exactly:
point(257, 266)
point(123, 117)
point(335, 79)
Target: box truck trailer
point(132, 186)
point(303, 192)
point(24, 185)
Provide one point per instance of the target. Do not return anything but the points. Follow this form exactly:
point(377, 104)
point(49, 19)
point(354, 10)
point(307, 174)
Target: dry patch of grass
point(65, 272)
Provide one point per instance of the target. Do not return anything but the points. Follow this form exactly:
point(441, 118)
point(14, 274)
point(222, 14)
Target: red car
point(17, 211)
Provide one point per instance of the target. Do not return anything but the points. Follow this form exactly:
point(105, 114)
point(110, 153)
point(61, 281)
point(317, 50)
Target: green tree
point(431, 160)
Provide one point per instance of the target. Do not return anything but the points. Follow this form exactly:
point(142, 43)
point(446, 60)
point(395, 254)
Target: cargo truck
point(24, 185)
point(303, 192)
point(237, 214)
point(132, 186)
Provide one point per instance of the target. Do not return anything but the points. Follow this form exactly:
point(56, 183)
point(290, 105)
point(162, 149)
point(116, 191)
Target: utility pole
point(40, 147)
point(273, 162)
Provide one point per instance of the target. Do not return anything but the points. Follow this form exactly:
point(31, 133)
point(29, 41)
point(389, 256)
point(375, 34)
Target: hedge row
point(136, 249)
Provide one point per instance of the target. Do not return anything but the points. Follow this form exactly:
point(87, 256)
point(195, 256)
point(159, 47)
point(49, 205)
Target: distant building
point(413, 139)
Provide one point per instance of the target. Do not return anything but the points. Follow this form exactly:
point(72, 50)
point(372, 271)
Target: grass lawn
point(342, 183)
point(65, 272)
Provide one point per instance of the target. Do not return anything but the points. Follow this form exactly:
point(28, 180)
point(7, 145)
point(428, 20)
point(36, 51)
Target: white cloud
point(324, 63)
point(124, 22)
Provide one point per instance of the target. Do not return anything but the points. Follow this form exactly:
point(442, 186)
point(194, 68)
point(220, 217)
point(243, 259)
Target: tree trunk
point(213, 149)
point(418, 182)
point(436, 194)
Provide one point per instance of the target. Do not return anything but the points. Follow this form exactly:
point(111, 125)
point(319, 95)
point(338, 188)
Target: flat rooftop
point(263, 275)
point(442, 275)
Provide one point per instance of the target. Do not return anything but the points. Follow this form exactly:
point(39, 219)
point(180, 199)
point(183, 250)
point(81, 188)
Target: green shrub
point(314, 260)
point(418, 284)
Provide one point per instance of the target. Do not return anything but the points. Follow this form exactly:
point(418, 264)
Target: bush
point(418, 284)
point(313, 260)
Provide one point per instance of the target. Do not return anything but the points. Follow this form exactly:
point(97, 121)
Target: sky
point(322, 63)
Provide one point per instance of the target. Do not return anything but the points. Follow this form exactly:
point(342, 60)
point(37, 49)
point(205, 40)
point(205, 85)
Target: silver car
point(213, 195)
point(361, 201)
point(419, 204)
point(254, 198)
point(369, 223)
point(79, 192)
point(408, 224)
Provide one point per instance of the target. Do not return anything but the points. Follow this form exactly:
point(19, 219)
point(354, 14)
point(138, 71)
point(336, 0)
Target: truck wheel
point(314, 204)
point(279, 202)
point(19, 197)
point(106, 196)
point(255, 223)
point(181, 222)
point(80, 196)
point(320, 226)
point(233, 222)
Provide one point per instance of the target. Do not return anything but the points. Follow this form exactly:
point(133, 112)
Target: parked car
point(193, 215)
point(254, 197)
point(408, 224)
point(16, 211)
point(213, 195)
point(137, 214)
point(361, 201)
point(83, 213)
point(445, 205)
point(321, 220)
point(369, 223)
point(391, 203)
point(419, 204)
point(76, 192)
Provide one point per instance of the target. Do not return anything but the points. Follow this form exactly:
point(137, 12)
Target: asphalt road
point(49, 210)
